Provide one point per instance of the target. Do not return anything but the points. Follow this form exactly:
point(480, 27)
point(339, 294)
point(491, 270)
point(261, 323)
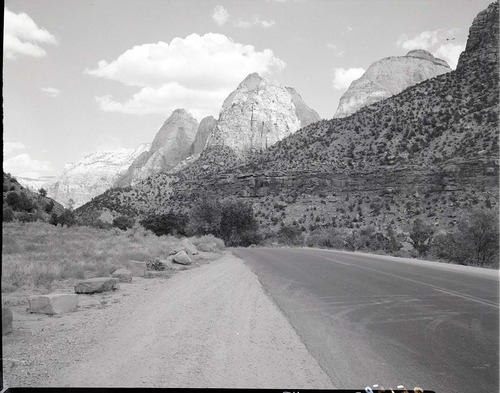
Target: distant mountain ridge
point(388, 77)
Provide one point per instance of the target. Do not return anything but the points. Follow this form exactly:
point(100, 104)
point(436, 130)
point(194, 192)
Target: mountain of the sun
point(430, 152)
point(388, 77)
point(259, 113)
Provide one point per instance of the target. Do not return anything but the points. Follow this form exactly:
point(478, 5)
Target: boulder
point(97, 284)
point(6, 320)
point(54, 303)
point(123, 275)
point(207, 247)
point(137, 268)
point(186, 246)
point(182, 258)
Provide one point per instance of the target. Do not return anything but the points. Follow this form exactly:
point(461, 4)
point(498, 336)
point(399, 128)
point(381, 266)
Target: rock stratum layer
point(259, 113)
point(388, 77)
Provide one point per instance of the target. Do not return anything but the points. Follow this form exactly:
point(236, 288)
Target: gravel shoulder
point(210, 326)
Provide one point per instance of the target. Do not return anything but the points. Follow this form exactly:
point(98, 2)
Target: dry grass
point(35, 255)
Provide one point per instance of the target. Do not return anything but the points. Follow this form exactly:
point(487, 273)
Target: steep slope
point(92, 175)
point(204, 131)
point(170, 146)
point(259, 113)
point(388, 77)
point(23, 204)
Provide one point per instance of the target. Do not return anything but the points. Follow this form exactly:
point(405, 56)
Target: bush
point(123, 222)
point(155, 264)
point(290, 235)
point(8, 214)
point(238, 226)
point(42, 192)
point(166, 224)
point(475, 240)
point(421, 237)
point(205, 217)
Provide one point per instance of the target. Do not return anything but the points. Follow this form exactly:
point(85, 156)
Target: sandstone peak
point(259, 113)
point(390, 76)
point(423, 54)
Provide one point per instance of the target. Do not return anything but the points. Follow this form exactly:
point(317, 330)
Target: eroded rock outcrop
point(204, 131)
point(259, 113)
point(170, 146)
point(388, 77)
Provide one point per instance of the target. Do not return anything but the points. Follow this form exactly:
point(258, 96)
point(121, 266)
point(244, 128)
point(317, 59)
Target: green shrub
point(155, 264)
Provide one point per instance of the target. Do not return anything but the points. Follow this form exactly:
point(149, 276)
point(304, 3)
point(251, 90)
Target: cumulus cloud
point(342, 78)
point(22, 36)
point(220, 15)
point(9, 147)
point(51, 91)
point(437, 42)
point(196, 72)
point(25, 166)
point(255, 21)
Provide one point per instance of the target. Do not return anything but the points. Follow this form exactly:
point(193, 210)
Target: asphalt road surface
point(374, 320)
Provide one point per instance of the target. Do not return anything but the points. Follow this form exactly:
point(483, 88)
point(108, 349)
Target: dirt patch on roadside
point(212, 326)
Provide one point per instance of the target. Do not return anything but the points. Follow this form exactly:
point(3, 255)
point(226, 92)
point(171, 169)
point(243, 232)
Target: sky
point(94, 75)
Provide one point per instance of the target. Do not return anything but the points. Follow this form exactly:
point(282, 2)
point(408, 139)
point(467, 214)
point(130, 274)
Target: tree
point(8, 214)
point(66, 218)
point(205, 217)
point(475, 240)
point(49, 207)
point(238, 226)
point(166, 224)
point(421, 237)
point(123, 222)
point(43, 192)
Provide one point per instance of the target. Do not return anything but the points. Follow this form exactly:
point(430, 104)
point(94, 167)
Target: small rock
point(137, 268)
point(98, 284)
point(54, 303)
point(182, 258)
point(123, 275)
point(6, 320)
point(207, 247)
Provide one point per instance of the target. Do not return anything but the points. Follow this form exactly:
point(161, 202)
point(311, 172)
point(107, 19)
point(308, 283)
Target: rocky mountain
point(92, 175)
point(430, 152)
point(205, 129)
point(388, 77)
point(259, 113)
point(35, 184)
point(170, 146)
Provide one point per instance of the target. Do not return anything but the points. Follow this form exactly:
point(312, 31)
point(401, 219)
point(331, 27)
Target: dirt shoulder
point(211, 326)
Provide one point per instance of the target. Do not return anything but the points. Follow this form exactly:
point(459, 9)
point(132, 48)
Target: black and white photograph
point(251, 194)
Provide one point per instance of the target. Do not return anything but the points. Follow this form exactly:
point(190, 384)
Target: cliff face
point(205, 129)
point(259, 113)
point(92, 175)
point(388, 77)
point(170, 146)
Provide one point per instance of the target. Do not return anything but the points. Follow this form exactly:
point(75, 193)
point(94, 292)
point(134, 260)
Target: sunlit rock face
point(259, 113)
point(170, 146)
point(91, 176)
point(388, 77)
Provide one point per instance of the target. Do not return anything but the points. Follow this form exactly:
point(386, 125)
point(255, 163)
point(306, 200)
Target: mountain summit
point(259, 113)
point(170, 146)
point(388, 77)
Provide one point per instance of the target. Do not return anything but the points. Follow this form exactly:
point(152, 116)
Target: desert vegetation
point(38, 254)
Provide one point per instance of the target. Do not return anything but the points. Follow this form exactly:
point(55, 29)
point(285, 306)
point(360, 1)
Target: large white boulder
point(96, 285)
point(182, 258)
point(54, 303)
point(123, 275)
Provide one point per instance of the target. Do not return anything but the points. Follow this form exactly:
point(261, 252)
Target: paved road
point(388, 321)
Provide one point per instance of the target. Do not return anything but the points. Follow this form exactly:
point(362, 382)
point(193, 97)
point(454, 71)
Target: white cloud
point(51, 91)
point(9, 147)
point(23, 165)
point(255, 21)
point(220, 15)
point(22, 36)
point(196, 73)
point(342, 78)
point(336, 49)
point(450, 53)
point(438, 42)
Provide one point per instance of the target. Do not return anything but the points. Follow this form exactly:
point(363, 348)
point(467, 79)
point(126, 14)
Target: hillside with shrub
point(423, 163)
